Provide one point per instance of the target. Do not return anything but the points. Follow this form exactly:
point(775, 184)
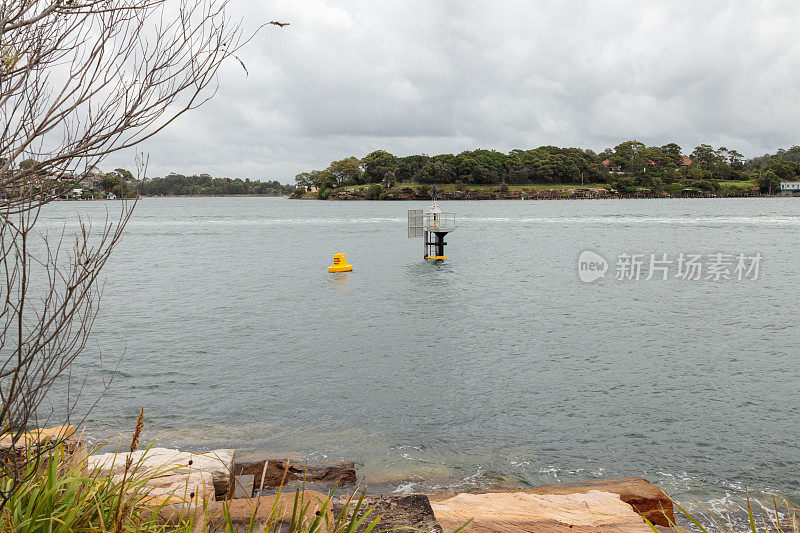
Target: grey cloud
point(427, 77)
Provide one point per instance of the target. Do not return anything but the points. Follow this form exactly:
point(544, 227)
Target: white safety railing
point(440, 221)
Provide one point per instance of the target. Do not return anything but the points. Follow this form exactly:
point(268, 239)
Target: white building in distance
point(790, 188)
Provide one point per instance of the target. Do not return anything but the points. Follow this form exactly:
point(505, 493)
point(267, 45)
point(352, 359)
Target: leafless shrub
point(79, 79)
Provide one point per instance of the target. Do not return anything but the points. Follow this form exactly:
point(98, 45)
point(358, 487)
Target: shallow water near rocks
point(497, 368)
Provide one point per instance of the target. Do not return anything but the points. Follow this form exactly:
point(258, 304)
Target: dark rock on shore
point(396, 511)
point(329, 474)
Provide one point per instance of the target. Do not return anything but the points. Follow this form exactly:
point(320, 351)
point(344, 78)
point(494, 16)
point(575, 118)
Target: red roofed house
point(611, 167)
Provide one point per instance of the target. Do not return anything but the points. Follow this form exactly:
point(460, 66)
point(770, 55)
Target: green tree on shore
point(348, 171)
point(769, 182)
point(377, 164)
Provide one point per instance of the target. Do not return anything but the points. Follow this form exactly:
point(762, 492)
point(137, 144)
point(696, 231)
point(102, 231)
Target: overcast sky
point(349, 77)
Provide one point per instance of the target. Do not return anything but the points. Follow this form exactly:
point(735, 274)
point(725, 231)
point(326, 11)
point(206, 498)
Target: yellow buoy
point(340, 264)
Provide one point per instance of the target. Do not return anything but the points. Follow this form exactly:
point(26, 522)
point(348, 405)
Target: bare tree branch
point(82, 79)
point(79, 80)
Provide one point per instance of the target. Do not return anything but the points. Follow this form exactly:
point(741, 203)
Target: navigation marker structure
point(435, 224)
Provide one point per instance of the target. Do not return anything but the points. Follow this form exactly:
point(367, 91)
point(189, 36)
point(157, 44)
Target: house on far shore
point(611, 168)
point(65, 176)
point(790, 188)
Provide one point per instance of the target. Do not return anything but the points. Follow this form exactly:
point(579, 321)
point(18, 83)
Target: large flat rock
point(520, 512)
point(163, 461)
point(646, 499)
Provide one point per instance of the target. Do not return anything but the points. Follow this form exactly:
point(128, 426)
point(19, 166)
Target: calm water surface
point(497, 368)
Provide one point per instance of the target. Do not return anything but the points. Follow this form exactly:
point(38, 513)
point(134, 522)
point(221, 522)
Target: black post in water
point(440, 244)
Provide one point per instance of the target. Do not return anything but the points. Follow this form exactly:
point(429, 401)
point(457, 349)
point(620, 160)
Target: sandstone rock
point(646, 499)
point(504, 512)
point(218, 463)
point(343, 473)
point(76, 452)
point(181, 489)
point(44, 442)
point(242, 511)
point(39, 437)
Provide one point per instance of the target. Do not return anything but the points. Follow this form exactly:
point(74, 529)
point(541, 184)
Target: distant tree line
point(629, 166)
point(205, 185)
point(121, 183)
point(92, 182)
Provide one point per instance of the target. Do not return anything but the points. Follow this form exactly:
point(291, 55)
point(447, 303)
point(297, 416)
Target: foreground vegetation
point(64, 496)
point(628, 168)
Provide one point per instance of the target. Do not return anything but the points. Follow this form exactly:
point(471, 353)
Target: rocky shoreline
point(178, 484)
point(241, 489)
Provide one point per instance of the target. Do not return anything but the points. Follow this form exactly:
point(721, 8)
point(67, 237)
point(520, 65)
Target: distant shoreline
point(216, 196)
point(174, 196)
point(537, 191)
point(531, 199)
point(443, 198)
point(564, 193)
point(544, 194)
